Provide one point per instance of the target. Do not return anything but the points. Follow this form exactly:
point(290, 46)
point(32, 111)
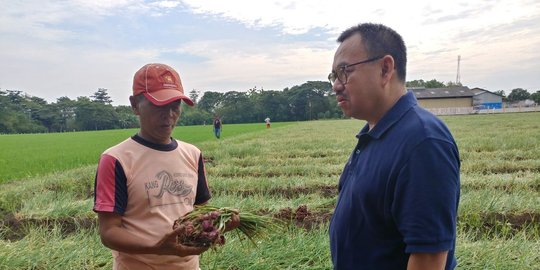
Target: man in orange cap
point(146, 182)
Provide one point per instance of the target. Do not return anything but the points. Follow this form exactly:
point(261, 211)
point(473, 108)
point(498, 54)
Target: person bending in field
point(399, 190)
point(146, 182)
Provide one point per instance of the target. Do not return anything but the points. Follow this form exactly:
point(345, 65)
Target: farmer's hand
point(233, 223)
point(168, 245)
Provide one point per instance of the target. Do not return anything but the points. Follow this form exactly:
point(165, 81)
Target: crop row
point(291, 173)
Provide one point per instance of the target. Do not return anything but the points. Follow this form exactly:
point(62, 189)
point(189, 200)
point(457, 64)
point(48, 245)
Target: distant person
point(399, 191)
point(267, 121)
point(217, 127)
point(146, 182)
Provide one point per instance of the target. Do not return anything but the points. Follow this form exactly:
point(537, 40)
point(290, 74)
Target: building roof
point(478, 91)
point(450, 92)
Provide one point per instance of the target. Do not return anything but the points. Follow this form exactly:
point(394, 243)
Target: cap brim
point(166, 96)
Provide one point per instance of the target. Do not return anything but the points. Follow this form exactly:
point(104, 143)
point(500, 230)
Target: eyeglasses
point(341, 73)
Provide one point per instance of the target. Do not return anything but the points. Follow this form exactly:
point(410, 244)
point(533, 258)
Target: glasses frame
point(335, 75)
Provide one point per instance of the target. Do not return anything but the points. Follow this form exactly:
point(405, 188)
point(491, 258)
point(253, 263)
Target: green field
point(48, 222)
point(30, 155)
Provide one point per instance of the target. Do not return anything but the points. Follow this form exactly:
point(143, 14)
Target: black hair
point(139, 97)
point(379, 40)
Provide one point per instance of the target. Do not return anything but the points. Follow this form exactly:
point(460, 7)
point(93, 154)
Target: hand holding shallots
point(205, 225)
point(169, 244)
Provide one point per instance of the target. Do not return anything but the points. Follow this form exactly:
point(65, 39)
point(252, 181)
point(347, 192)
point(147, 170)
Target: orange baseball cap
point(160, 84)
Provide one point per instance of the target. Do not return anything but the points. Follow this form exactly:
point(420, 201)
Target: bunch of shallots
point(205, 225)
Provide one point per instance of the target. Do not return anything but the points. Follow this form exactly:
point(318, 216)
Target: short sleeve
point(110, 186)
point(427, 196)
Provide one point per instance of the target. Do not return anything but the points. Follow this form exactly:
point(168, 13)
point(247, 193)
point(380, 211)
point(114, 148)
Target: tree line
point(21, 113)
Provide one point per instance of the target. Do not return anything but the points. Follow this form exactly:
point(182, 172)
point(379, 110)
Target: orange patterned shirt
point(150, 185)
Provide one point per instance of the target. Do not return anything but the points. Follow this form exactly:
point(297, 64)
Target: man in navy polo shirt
point(399, 191)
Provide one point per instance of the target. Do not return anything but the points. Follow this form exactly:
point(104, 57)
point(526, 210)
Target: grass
point(518, 252)
point(308, 251)
point(50, 248)
point(48, 222)
point(28, 155)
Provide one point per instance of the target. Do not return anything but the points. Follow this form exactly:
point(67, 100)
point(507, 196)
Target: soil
point(304, 218)
point(510, 223)
point(323, 191)
point(14, 229)
point(208, 160)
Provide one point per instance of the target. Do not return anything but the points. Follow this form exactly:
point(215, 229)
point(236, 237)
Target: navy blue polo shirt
point(398, 192)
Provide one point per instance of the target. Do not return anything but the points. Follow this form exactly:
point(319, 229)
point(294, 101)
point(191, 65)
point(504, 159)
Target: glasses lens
point(332, 77)
point(342, 75)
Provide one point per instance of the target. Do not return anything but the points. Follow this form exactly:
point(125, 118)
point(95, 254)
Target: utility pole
point(458, 78)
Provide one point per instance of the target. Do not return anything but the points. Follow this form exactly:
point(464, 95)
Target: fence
point(472, 110)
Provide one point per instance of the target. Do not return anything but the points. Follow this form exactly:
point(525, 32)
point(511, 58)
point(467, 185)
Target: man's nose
point(337, 86)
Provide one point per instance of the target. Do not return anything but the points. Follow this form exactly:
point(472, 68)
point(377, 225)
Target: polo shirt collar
point(404, 103)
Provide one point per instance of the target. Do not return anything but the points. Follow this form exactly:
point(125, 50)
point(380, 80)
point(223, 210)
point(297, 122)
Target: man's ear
point(387, 68)
point(134, 104)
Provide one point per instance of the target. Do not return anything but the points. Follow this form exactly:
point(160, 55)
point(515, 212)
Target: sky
point(52, 49)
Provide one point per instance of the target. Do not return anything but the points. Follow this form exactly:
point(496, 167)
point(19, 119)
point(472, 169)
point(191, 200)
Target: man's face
point(157, 122)
point(358, 98)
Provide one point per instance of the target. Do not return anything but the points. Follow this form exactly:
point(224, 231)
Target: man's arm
point(115, 237)
point(427, 261)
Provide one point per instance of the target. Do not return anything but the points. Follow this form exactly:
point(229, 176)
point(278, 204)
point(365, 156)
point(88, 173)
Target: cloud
point(293, 17)
point(270, 66)
point(70, 48)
